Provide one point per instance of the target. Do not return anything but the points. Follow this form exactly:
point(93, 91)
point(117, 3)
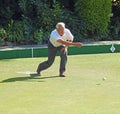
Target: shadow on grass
point(39, 77)
point(31, 78)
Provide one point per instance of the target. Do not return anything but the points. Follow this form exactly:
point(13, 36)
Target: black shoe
point(38, 72)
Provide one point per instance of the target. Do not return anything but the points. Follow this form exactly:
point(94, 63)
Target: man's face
point(60, 29)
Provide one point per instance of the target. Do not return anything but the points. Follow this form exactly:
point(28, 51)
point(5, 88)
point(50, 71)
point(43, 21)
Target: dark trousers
point(52, 51)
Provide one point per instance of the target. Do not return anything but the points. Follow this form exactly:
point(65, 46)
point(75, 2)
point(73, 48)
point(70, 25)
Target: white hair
point(60, 24)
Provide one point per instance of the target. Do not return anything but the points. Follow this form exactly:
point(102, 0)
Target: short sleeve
point(54, 36)
point(69, 35)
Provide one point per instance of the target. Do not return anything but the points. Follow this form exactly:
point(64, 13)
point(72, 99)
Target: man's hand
point(64, 50)
point(77, 44)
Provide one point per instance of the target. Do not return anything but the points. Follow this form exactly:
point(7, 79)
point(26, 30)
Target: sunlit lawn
point(82, 91)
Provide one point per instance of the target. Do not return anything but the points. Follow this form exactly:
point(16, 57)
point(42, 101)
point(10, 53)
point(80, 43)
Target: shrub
point(114, 28)
point(3, 35)
point(38, 36)
point(15, 32)
point(74, 23)
point(95, 14)
point(38, 15)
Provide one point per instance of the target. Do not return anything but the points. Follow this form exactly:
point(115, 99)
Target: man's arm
point(68, 43)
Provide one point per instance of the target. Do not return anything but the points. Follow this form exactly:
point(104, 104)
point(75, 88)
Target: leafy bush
point(38, 36)
point(5, 15)
point(38, 15)
point(95, 14)
point(48, 17)
point(15, 32)
point(3, 35)
point(114, 29)
point(74, 23)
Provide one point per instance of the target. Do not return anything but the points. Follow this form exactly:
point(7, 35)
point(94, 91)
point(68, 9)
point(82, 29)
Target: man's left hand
point(64, 50)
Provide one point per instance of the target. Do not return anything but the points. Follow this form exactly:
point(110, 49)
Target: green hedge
point(95, 14)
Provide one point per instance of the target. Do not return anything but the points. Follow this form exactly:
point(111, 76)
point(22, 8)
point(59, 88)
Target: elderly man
point(60, 39)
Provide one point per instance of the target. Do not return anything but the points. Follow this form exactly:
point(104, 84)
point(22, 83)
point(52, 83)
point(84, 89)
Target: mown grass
point(82, 91)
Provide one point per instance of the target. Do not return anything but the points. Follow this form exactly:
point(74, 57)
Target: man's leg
point(63, 61)
point(51, 57)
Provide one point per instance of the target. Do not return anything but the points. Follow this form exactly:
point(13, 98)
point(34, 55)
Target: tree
point(116, 7)
point(69, 4)
point(115, 20)
point(95, 14)
point(9, 9)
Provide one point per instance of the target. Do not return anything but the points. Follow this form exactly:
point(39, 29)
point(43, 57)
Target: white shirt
point(55, 36)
